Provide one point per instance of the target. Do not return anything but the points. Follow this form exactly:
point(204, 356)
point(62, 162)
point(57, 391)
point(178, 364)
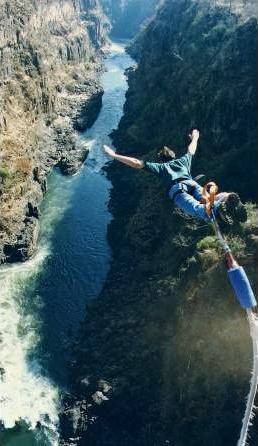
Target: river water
point(43, 300)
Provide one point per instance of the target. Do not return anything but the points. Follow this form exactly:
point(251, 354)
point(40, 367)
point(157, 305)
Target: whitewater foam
point(24, 392)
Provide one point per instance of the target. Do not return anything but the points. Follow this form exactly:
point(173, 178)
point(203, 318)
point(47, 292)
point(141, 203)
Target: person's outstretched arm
point(129, 161)
point(194, 136)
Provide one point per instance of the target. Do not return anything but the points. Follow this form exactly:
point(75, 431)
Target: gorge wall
point(164, 355)
point(127, 16)
point(197, 64)
point(49, 65)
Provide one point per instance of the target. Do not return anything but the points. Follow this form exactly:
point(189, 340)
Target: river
point(43, 300)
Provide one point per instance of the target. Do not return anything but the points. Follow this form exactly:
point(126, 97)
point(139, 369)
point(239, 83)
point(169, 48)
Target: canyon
point(163, 355)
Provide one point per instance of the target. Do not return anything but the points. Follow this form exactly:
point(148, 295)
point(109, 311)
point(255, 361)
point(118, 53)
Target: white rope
point(220, 238)
point(250, 406)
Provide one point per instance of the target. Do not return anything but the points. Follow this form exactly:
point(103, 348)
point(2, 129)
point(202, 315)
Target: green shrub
point(209, 242)
point(252, 213)
point(208, 258)
point(4, 172)
point(237, 245)
point(70, 87)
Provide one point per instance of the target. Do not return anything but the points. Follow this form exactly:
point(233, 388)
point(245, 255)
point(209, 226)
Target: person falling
point(185, 192)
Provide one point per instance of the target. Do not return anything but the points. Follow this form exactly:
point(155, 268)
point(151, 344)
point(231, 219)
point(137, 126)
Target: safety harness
point(209, 192)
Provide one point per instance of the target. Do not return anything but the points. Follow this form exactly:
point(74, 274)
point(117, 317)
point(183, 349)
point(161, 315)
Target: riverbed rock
point(22, 244)
point(89, 111)
point(73, 420)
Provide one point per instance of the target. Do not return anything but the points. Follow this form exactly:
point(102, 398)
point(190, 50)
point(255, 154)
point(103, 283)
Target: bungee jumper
point(182, 189)
point(205, 203)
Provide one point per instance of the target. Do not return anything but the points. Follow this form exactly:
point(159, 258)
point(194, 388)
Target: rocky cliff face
point(164, 356)
point(197, 67)
point(49, 64)
point(128, 16)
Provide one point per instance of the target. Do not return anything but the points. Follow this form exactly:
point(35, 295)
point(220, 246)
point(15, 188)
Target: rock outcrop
point(166, 334)
point(49, 64)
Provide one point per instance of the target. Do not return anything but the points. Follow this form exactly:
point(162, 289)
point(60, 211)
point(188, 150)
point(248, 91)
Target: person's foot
point(236, 208)
point(240, 211)
point(232, 210)
point(223, 215)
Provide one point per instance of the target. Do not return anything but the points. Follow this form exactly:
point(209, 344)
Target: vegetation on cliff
point(164, 355)
point(197, 66)
point(164, 340)
point(49, 61)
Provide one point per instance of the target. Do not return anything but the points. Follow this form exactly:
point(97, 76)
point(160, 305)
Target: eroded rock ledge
point(50, 61)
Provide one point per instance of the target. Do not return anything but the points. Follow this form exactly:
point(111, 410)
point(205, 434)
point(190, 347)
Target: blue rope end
point(242, 287)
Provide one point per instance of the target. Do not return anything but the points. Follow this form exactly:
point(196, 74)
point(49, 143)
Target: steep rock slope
point(164, 355)
point(197, 68)
point(127, 16)
point(49, 63)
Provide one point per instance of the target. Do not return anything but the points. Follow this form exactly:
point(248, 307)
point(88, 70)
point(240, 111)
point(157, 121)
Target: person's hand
point(109, 151)
point(194, 135)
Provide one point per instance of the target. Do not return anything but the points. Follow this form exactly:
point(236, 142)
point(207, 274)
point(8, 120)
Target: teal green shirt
point(178, 169)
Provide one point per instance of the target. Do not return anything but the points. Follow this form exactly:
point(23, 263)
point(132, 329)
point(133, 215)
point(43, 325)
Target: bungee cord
point(250, 405)
point(245, 296)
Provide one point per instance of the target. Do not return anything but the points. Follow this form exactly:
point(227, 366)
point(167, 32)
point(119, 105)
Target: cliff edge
point(49, 64)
